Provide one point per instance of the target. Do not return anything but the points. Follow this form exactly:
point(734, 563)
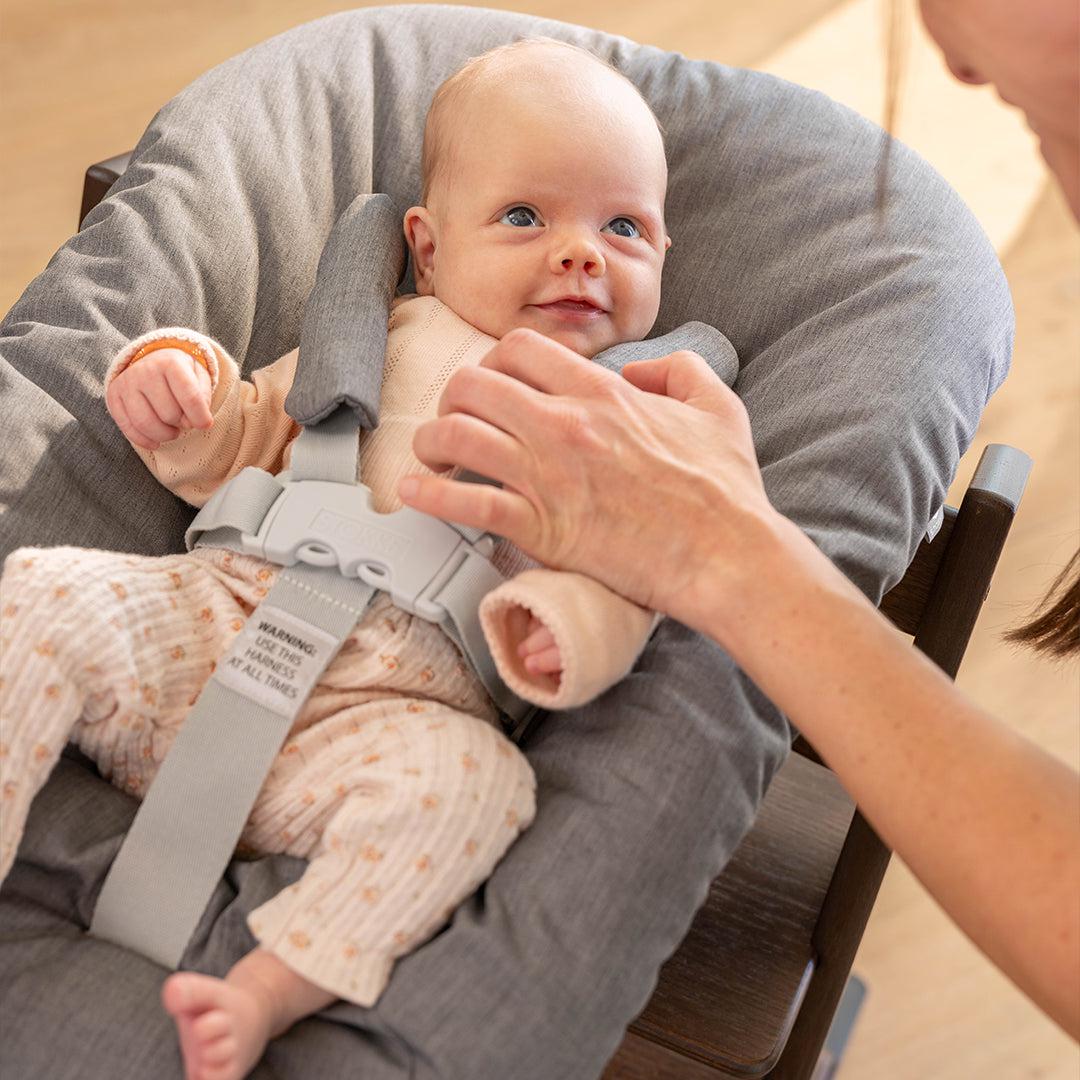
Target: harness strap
point(329, 451)
point(241, 504)
point(461, 596)
point(344, 327)
point(187, 828)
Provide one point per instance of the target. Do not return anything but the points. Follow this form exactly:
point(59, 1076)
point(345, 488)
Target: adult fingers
point(461, 439)
point(507, 428)
point(497, 510)
point(190, 388)
point(492, 396)
point(541, 363)
point(684, 376)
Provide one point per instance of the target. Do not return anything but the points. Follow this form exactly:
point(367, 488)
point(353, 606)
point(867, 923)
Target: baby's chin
point(580, 342)
point(586, 341)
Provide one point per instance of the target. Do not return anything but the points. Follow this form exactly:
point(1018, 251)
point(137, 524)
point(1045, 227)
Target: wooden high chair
point(754, 986)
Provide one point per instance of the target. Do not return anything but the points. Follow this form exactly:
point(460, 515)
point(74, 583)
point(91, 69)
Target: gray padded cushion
point(770, 208)
point(219, 224)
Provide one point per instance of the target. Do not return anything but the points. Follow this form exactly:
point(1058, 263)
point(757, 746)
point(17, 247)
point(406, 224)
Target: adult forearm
point(650, 483)
point(988, 822)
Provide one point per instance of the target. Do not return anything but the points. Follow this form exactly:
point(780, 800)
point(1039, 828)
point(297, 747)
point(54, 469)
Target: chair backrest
point(754, 986)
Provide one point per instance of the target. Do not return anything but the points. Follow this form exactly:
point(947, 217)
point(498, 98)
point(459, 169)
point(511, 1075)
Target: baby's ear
point(420, 236)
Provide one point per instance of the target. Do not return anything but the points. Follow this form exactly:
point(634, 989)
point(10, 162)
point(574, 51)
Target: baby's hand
point(163, 394)
point(538, 650)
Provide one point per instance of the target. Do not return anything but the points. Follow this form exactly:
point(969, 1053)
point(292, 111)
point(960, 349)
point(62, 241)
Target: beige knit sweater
point(599, 634)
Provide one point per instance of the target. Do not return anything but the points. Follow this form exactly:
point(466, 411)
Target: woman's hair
point(897, 37)
point(1055, 626)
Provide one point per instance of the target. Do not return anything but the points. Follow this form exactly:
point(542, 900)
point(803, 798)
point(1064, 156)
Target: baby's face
point(551, 215)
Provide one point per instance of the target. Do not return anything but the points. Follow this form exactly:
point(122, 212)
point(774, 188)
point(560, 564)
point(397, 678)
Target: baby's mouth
point(572, 307)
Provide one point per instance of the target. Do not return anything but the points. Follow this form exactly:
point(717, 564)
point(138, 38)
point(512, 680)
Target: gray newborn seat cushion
point(868, 349)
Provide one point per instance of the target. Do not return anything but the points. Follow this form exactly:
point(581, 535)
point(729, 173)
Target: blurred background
point(80, 81)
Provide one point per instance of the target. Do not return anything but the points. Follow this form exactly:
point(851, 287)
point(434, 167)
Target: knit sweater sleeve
point(250, 425)
point(599, 634)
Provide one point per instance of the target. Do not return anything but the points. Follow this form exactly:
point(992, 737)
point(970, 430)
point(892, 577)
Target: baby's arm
point(179, 399)
point(560, 639)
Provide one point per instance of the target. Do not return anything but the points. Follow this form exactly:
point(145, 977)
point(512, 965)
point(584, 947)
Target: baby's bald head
point(533, 74)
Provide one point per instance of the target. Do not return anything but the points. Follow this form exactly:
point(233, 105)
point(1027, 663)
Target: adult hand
point(641, 480)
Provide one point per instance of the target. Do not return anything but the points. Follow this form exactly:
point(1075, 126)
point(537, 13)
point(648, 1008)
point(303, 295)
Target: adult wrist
point(744, 587)
point(726, 561)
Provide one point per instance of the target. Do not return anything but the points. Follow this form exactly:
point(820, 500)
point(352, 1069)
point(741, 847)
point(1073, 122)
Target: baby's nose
point(581, 254)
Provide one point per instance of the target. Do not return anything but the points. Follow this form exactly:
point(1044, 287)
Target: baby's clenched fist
point(160, 396)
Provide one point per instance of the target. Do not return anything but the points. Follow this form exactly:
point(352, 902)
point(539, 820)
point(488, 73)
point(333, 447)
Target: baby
point(544, 186)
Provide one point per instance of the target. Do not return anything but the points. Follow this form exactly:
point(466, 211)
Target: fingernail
point(408, 487)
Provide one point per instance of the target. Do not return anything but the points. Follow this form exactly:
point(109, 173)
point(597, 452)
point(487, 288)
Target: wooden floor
point(79, 82)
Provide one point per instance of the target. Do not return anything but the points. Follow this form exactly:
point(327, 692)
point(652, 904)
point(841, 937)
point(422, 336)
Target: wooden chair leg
point(844, 914)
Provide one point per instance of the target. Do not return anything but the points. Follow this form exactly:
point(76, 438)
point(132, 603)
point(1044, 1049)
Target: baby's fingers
point(137, 419)
point(123, 421)
point(537, 638)
point(547, 662)
point(146, 420)
point(538, 650)
point(190, 388)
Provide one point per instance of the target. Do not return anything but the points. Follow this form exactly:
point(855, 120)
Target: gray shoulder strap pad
point(343, 334)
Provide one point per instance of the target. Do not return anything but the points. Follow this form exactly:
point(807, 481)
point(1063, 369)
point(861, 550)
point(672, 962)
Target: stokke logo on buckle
point(370, 537)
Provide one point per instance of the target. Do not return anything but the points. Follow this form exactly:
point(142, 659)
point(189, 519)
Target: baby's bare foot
point(223, 1028)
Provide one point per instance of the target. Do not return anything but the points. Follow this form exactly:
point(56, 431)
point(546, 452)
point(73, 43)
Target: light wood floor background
point(79, 80)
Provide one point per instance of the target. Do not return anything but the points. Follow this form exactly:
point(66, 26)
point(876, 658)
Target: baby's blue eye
point(622, 226)
point(519, 216)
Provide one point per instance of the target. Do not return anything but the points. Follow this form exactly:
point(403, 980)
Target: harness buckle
point(324, 523)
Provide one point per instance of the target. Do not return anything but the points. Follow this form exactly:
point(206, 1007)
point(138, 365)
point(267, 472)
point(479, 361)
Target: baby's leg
point(403, 807)
point(225, 1024)
point(106, 648)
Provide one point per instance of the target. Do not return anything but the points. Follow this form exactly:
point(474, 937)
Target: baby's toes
point(212, 1026)
point(186, 994)
point(216, 1055)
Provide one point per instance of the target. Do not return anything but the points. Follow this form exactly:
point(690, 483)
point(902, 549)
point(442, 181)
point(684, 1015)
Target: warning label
point(276, 660)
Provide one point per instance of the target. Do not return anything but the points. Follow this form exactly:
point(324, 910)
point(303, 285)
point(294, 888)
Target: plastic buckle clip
point(324, 523)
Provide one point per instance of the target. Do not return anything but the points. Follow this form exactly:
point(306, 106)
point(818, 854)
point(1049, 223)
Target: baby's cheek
point(483, 308)
point(638, 316)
